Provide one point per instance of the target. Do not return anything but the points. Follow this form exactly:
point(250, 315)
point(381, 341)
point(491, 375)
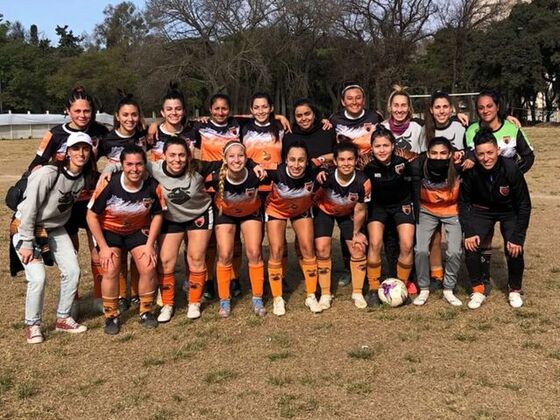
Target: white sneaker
point(515, 299)
point(278, 306)
point(312, 304)
point(165, 314)
point(359, 300)
point(33, 334)
point(159, 300)
point(422, 297)
point(193, 311)
point(476, 300)
point(325, 301)
point(451, 298)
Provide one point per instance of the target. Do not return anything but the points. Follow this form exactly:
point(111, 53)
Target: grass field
point(429, 362)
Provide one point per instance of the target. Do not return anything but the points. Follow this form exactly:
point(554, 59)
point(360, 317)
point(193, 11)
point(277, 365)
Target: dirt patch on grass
point(430, 362)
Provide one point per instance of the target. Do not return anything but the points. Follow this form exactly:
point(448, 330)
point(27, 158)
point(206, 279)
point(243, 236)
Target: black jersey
point(390, 184)
point(239, 199)
point(339, 200)
point(319, 142)
point(502, 189)
point(357, 130)
point(113, 144)
point(53, 144)
point(162, 136)
point(210, 138)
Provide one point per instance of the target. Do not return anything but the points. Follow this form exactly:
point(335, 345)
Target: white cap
point(78, 137)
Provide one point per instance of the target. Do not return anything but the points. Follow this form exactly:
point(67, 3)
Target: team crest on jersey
point(147, 202)
point(65, 201)
point(353, 197)
point(178, 195)
point(308, 186)
point(506, 139)
point(407, 209)
point(233, 130)
point(399, 168)
point(504, 190)
point(250, 192)
point(377, 175)
point(199, 222)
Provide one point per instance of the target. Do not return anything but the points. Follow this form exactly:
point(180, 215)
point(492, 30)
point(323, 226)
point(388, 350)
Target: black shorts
point(324, 225)
point(203, 222)
point(400, 213)
point(126, 242)
point(224, 219)
point(77, 219)
point(305, 215)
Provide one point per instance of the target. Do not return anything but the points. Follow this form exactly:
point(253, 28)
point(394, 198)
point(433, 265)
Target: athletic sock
point(97, 274)
point(146, 302)
point(436, 272)
point(275, 273)
point(373, 275)
point(324, 266)
point(167, 287)
point(110, 306)
point(309, 268)
point(358, 272)
point(223, 276)
point(403, 271)
point(196, 285)
point(479, 288)
point(256, 277)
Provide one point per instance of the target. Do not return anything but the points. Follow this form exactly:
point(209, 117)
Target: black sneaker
point(372, 299)
point(148, 320)
point(209, 290)
point(112, 326)
point(124, 305)
point(235, 288)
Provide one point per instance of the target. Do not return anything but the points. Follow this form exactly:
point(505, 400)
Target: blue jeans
point(67, 261)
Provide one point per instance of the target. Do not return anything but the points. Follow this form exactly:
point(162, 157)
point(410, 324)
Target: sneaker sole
point(35, 340)
point(76, 331)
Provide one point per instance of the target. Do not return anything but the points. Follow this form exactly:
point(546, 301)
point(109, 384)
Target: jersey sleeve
point(365, 193)
point(525, 152)
point(45, 151)
point(465, 201)
point(207, 167)
point(159, 204)
point(98, 201)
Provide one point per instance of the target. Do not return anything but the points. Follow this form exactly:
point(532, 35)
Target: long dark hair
point(80, 93)
point(89, 171)
point(272, 117)
point(496, 98)
point(309, 103)
point(429, 120)
point(127, 99)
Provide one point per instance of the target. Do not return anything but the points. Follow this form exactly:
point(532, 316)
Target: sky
point(80, 15)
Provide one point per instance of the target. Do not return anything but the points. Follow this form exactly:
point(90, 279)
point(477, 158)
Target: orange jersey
point(438, 199)
point(357, 130)
point(210, 138)
point(290, 197)
point(339, 200)
point(239, 199)
point(124, 211)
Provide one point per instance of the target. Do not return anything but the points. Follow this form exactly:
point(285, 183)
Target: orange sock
point(110, 306)
point(403, 271)
point(223, 275)
point(123, 274)
point(358, 272)
point(256, 277)
point(324, 267)
point(436, 272)
point(134, 278)
point(97, 274)
point(478, 289)
point(373, 274)
point(309, 268)
point(196, 285)
point(167, 287)
point(146, 302)
point(275, 273)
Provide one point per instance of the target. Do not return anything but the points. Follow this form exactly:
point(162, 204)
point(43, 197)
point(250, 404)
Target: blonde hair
point(223, 173)
point(399, 90)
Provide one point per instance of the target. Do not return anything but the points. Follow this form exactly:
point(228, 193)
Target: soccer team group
point(393, 185)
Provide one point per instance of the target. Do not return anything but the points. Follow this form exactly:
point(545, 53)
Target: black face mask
point(438, 169)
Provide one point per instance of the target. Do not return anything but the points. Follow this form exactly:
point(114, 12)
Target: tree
point(123, 25)
point(68, 43)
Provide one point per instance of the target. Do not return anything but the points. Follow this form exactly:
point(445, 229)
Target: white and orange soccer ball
point(392, 292)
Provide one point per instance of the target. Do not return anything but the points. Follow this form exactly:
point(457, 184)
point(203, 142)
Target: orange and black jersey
point(240, 199)
point(125, 211)
point(210, 138)
point(357, 130)
point(53, 144)
point(290, 197)
point(113, 144)
point(336, 199)
point(161, 138)
point(262, 145)
point(390, 184)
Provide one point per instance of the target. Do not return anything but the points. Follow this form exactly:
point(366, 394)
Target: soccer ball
point(392, 292)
